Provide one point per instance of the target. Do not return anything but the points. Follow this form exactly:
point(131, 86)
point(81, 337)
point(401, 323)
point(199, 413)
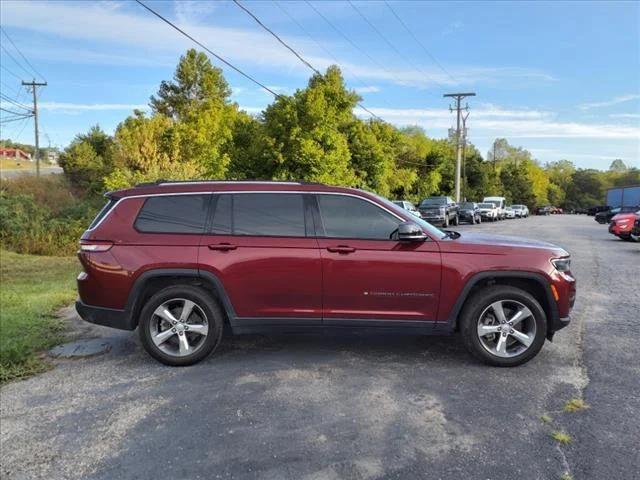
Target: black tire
point(446, 222)
point(204, 301)
point(473, 220)
point(456, 221)
point(480, 219)
point(479, 302)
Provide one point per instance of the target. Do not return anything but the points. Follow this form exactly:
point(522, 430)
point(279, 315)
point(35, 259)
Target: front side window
point(350, 217)
point(268, 214)
point(173, 214)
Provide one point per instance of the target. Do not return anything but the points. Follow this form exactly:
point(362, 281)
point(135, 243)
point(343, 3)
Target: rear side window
point(106, 209)
point(351, 217)
point(173, 214)
point(268, 214)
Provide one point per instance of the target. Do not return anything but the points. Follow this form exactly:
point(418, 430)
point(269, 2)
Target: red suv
point(181, 261)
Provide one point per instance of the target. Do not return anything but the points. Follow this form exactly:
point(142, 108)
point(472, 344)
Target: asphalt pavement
point(352, 407)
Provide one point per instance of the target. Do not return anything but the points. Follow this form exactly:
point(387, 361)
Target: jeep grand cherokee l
point(183, 261)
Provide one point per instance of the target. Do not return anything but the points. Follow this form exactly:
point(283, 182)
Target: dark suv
point(181, 261)
point(439, 211)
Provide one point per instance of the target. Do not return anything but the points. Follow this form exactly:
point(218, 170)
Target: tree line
point(193, 130)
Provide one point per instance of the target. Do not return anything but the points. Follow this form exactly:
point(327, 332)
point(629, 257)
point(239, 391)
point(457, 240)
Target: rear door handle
point(341, 249)
point(222, 246)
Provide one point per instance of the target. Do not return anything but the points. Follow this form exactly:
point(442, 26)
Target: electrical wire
point(385, 40)
point(14, 103)
point(10, 72)
point(406, 27)
point(288, 47)
point(246, 75)
point(23, 57)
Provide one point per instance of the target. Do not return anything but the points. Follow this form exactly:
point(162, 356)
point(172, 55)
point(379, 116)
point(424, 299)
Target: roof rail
point(197, 182)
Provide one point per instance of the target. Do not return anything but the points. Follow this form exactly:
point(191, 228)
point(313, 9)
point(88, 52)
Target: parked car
point(183, 261)
point(592, 211)
point(606, 215)
point(439, 211)
point(489, 211)
point(408, 206)
point(521, 211)
point(622, 224)
point(469, 212)
point(509, 212)
point(543, 211)
point(635, 231)
point(501, 204)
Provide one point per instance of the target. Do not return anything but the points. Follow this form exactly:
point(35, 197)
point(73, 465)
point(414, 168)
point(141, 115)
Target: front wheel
point(446, 221)
point(180, 325)
point(456, 221)
point(503, 326)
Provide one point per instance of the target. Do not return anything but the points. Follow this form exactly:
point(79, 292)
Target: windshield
point(486, 205)
point(466, 205)
point(426, 226)
point(398, 202)
point(433, 201)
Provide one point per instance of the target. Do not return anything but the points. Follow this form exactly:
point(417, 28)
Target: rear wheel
point(503, 326)
point(180, 325)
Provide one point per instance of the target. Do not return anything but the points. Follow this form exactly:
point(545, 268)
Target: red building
point(14, 153)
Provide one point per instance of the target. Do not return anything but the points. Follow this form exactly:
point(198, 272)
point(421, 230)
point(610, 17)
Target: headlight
point(561, 264)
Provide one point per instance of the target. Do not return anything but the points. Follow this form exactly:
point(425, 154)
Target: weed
point(574, 405)
point(561, 437)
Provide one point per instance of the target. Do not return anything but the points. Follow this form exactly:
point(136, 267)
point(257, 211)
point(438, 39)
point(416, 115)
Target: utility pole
point(464, 156)
point(458, 97)
point(34, 85)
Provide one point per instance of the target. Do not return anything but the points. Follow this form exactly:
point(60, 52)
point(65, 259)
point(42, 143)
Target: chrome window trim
point(308, 192)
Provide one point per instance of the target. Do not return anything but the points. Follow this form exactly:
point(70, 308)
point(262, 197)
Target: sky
point(561, 79)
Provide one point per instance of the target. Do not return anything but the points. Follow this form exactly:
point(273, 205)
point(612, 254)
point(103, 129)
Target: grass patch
point(32, 288)
point(545, 418)
point(574, 405)
point(561, 437)
point(566, 476)
point(12, 164)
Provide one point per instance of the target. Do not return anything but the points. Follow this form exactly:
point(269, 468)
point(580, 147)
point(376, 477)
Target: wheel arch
point(151, 281)
point(534, 283)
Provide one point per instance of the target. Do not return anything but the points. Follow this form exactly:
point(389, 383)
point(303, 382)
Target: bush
point(43, 216)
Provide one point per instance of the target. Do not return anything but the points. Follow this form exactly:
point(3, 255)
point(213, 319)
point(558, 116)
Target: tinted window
point(275, 214)
point(350, 217)
point(106, 209)
point(433, 201)
point(221, 223)
point(173, 214)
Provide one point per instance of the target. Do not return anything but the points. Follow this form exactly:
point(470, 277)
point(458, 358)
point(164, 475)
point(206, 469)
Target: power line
point(275, 35)
point(16, 113)
point(15, 61)
point(418, 40)
point(23, 57)
point(7, 87)
point(288, 47)
point(385, 40)
point(9, 71)
point(351, 42)
point(318, 44)
point(247, 76)
point(13, 102)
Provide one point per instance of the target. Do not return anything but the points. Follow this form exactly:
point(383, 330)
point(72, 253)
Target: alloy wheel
point(506, 328)
point(179, 327)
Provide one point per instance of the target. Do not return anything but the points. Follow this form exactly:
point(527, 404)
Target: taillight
point(95, 246)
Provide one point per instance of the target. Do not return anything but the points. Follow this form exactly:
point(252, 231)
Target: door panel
point(366, 274)
point(386, 280)
point(265, 275)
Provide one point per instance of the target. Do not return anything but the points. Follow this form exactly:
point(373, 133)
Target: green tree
point(305, 133)
point(88, 159)
point(618, 166)
point(196, 82)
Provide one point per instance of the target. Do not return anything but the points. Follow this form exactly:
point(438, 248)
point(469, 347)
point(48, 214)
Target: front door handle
point(223, 247)
point(341, 249)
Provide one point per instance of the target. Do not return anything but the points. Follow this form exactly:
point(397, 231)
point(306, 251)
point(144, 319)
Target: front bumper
point(108, 317)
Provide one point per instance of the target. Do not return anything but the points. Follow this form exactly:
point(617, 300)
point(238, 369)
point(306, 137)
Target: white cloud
point(498, 122)
point(611, 102)
point(132, 36)
point(625, 115)
point(64, 106)
point(369, 89)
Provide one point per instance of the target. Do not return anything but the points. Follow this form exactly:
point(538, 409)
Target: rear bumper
point(108, 317)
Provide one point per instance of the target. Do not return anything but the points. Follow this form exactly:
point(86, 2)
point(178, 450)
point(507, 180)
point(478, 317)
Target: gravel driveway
point(353, 407)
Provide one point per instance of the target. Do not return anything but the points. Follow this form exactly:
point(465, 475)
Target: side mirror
point(410, 232)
